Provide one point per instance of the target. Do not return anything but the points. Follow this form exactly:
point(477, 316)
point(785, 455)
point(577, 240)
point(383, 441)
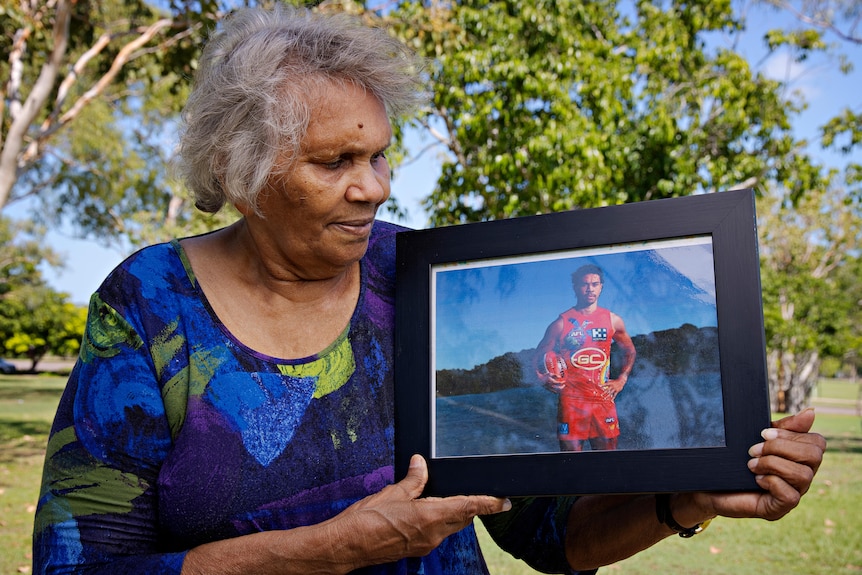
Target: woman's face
point(319, 215)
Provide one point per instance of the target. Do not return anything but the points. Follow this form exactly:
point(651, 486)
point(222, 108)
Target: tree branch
point(819, 22)
point(14, 142)
point(127, 53)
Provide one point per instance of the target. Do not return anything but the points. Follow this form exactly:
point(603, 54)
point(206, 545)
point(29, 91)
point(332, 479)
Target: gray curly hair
point(254, 90)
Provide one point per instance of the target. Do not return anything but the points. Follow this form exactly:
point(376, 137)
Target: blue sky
point(503, 306)
point(817, 80)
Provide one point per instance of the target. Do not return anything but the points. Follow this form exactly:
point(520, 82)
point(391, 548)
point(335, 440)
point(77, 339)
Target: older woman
point(231, 409)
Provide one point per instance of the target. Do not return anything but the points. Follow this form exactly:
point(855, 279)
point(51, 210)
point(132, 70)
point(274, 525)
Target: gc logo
point(589, 358)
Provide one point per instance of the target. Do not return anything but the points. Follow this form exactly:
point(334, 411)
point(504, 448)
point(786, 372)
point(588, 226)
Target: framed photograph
point(609, 350)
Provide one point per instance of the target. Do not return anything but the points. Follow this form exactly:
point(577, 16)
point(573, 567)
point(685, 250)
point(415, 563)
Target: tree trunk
point(792, 378)
point(805, 374)
point(15, 137)
point(776, 389)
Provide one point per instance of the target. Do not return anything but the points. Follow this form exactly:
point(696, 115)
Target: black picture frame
point(424, 419)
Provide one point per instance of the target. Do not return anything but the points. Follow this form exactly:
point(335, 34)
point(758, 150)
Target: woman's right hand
point(390, 525)
point(396, 523)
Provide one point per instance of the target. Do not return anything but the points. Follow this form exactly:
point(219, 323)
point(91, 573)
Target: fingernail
point(507, 505)
point(416, 460)
point(752, 463)
point(769, 433)
point(756, 450)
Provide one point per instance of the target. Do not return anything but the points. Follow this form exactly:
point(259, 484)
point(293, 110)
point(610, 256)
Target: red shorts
point(582, 419)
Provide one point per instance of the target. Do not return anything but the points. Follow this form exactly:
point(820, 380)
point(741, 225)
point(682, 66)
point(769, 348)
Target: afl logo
point(589, 358)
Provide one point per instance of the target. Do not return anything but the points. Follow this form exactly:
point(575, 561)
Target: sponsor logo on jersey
point(563, 429)
point(598, 333)
point(589, 358)
point(576, 336)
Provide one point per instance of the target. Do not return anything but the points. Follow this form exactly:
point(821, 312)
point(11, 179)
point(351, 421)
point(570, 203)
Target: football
point(555, 365)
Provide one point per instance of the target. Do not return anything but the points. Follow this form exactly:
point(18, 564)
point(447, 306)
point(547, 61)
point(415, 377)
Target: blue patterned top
point(171, 433)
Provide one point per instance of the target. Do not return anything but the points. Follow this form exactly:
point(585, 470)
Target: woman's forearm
point(392, 524)
point(604, 529)
point(305, 550)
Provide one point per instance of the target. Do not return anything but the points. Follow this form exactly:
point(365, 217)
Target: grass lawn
point(27, 405)
point(822, 536)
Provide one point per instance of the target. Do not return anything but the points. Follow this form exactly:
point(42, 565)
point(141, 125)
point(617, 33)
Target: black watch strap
point(662, 511)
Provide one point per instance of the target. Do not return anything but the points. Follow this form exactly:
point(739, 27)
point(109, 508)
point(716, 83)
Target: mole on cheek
point(360, 125)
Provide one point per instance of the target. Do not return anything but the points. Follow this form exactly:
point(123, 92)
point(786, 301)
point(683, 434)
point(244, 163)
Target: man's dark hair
point(587, 270)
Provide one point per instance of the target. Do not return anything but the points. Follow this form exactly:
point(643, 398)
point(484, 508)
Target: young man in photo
point(574, 359)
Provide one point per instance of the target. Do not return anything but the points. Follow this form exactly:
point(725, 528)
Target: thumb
point(800, 423)
point(416, 478)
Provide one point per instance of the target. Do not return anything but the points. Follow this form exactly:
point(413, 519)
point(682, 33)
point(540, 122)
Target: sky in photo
point(485, 310)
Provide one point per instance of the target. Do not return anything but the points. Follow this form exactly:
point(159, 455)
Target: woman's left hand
point(784, 465)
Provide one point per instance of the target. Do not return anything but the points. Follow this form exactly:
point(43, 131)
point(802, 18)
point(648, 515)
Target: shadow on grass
point(844, 443)
point(20, 439)
point(34, 392)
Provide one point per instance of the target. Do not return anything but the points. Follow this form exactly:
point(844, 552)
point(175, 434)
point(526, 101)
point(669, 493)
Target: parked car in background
point(6, 367)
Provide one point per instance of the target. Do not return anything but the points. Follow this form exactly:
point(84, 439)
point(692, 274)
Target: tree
point(810, 262)
point(42, 321)
point(84, 88)
point(34, 319)
point(548, 106)
point(847, 278)
point(560, 105)
point(819, 21)
point(22, 250)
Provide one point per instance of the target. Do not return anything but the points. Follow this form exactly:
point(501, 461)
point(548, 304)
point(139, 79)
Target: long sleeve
point(97, 511)
point(534, 530)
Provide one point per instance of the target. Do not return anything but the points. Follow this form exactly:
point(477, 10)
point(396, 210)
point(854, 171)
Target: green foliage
point(804, 41)
point(810, 261)
point(549, 106)
point(810, 266)
point(830, 367)
point(847, 123)
point(43, 322)
point(22, 250)
point(838, 17)
point(34, 319)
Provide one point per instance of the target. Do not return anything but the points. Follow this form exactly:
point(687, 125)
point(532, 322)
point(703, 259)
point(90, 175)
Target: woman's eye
point(334, 164)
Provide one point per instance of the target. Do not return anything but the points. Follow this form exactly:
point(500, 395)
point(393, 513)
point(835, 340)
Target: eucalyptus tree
point(89, 92)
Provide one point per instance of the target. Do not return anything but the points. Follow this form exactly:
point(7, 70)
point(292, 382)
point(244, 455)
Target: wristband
point(662, 511)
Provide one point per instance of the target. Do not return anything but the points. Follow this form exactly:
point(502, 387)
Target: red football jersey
point(586, 345)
